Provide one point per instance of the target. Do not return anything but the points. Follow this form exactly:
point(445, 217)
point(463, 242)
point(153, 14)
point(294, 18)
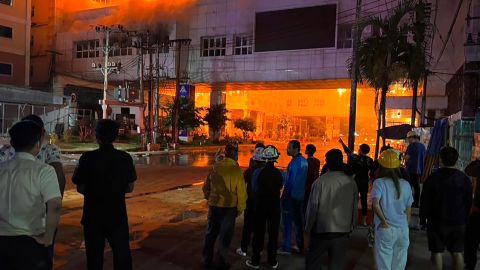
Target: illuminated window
point(6, 2)
point(6, 69)
point(243, 45)
point(214, 46)
point(6, 32)
point(303, 102)
point(319, 102)
point(87, 48)
point(344, 37)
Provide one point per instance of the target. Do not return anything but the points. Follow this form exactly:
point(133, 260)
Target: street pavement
point(167, 230)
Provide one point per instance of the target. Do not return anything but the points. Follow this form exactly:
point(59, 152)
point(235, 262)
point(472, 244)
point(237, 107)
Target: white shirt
point(49, 153)
point(26, 185)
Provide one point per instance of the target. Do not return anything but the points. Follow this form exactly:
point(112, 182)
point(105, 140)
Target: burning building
point(276, 62)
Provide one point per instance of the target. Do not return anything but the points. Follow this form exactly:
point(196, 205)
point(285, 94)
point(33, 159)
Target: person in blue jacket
point(293, 199)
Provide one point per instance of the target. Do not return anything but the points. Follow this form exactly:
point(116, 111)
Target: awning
point(398, 132)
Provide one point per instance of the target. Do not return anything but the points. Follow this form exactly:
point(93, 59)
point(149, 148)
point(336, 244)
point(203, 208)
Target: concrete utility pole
point(157, 98)
point(107, 68)
point(352, 123)
point(176, 106)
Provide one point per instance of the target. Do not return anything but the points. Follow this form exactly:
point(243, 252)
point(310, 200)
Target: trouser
point(267, 218)
point(221, 224)
point(472, 240)
point(248, 226)
point(23, 253)
point(363, 190)
point(415, 184)
point(292, 212)
point(334, 245)
point(118, 239)
point(391, 248)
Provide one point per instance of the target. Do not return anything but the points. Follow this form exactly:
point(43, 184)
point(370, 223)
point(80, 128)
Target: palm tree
point(381, 56)
point(416, 58)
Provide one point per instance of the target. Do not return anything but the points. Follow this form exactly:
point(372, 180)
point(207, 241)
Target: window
point(243, 45)
point(87, 48)
point(6, 32)
point(33, 11)
point(302, 102)
point(5, 69)
point(214, 46)
point(121, 45)
point(345, 38)
point(6, 2)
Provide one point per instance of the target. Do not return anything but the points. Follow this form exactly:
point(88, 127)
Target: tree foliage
point(246, 125)
point(216, 118)
point(189, 116)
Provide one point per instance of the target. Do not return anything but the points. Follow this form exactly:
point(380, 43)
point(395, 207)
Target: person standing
point(414, 161)
point(30, 203)
point(329, 220)
point(444, 208)
point(392, 199)
point(226, 194)
point(248, 215)
point(292, 198)
point(472, 234)
point(266, 186)
point(361, 166)
point(313, 172)
point(104, 176)
point(49, 154)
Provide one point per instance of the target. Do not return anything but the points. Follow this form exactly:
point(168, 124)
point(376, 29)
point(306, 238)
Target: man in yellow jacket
point(226, 193)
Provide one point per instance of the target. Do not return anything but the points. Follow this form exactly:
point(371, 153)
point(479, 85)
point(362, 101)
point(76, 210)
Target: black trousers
point(415, 184)
point(248, 226)
point(472, 240)
point(322, 244)
point(267, 218)
point(23, 253)
point(363, 190)
point(118, 239)
point(221, 224)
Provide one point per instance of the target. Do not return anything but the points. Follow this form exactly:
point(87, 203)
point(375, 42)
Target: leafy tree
point(246, 125)
point(189, 117)
point(216, 118)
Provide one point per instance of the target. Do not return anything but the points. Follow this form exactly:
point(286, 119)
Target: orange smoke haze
point(127, 12)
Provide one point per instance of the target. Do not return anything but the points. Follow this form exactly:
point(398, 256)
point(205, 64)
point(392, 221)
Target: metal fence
point(13, 112)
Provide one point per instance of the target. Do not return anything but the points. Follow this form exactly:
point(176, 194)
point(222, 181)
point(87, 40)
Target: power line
point(449, 31)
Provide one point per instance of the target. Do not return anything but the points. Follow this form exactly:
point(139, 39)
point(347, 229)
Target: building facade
point(235, 57)
point(15, 26)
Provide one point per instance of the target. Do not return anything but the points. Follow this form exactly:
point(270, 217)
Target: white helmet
point(257, 154)
point(270, 153)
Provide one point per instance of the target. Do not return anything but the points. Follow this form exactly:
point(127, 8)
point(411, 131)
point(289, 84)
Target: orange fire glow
point(126, 12)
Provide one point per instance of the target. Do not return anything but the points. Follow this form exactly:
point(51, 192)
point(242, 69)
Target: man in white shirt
point(30, 203)
point(49, 153)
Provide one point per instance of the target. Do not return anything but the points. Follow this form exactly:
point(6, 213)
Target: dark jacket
point(446, 199)
point(312, 174)
point(248, 176)
point(473, 170)
point(266, 186)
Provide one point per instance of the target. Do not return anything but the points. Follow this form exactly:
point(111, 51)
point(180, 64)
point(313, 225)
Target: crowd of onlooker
point(307, 200)
point(320, 203)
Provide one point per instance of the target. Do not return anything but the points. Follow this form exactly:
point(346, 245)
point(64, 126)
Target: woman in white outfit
point(392, 199)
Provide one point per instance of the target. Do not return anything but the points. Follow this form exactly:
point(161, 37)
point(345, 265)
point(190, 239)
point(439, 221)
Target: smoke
point(133, 14)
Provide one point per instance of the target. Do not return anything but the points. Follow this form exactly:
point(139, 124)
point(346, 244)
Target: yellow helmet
point(389, 159)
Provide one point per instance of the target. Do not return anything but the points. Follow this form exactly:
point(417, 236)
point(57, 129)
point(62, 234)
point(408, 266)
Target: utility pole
point(157, 99)
point(176, 106)
point(150, 90)
point(107, 69)
point(423, 118)
point(352, 123)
